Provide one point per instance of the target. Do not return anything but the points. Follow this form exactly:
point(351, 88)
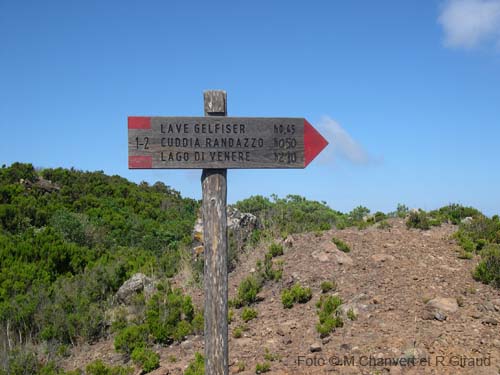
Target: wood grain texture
point(214, 190)
point(220, 142)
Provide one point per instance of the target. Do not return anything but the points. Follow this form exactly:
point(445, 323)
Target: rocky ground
point(415, 302)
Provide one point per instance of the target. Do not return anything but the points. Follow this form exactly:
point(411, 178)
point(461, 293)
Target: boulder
point(240, 225)
point(136, 284)
point(444, 304)
point(466, 220)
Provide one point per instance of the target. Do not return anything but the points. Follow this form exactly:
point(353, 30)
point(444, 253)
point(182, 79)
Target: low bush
point(488, 269)
point(99, 368)
point(248, 314)
point(247, 291)
point(261, 368)
point(328, 314)
point(418, 220)
point(296, 294)
point(275, 249)
point(341, 245)
point(146, 358)
point(267, 271)
point(169, 314)
point(197, 366)
point(327, 286)
point(131, 338)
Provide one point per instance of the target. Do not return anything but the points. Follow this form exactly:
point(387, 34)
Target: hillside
point(306, 283)
point(387, 279)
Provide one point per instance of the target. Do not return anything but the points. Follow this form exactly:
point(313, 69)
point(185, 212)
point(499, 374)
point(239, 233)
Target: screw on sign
point(215, 143)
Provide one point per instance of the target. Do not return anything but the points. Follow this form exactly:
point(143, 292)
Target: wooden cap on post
point(215, 102)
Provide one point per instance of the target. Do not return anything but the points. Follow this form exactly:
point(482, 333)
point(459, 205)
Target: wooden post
point(214, 214)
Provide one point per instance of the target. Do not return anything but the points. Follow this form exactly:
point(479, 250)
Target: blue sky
point(408, 92)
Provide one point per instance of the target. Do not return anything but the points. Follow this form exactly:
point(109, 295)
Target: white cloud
point(467, 23)
point(341, 144)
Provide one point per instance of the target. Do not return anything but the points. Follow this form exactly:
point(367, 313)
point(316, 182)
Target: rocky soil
point(418, 310)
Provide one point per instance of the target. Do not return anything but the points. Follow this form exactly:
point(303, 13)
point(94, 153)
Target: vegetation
point(237, 333)
point(292, 214)
point(131, 338)
point(275, 250)
point(99, 368)
point(418, 220)
point(247, 291)
point(169, 315)
point(328, 314)
point(488, 269)
point(146, 358)
point(481, 235)
point(261, 368)
point(327, 286)
point(341, 245)
point(296, 294)
point(197, 366)
point(69, 239)
point(248, 314)
point(351, 315)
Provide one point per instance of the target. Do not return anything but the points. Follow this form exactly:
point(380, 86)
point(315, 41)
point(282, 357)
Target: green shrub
point(287, 298)
point(248, 314)
point(488, 269)
point(301, 294)
point(292, 214)
point(384, 224)
point(475, 235)
point(268, 356)
point(20, 362)
point(146, 358)
point(130, 338)
point(237, 333)
point(99, 368)
point(296, 294)
point(351, 315)
point(327, 286)
point(402, 210)
point(275, 249)
point(197, 366)
point(341, 245)
point(169, 315)
point(198, 323)
point(182, 329)
point(454, 213)
point(267, 271)
point(260, 368)
point(418, 220)
point(247, 291)
point(328, 314)
point(379, 216)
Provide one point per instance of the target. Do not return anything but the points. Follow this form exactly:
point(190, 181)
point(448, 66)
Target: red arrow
point(314, 143)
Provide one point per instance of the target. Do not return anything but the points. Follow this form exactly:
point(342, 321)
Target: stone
point(136, 284)
point(466, 220)
point(320, 256)
point(490, 321)
point(316, 347)
point(240, 224)
point(438, 315)
point(382, 257)
point(444, 304)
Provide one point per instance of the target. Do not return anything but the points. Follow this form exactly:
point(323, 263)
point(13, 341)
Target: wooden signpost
point(215, 143)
